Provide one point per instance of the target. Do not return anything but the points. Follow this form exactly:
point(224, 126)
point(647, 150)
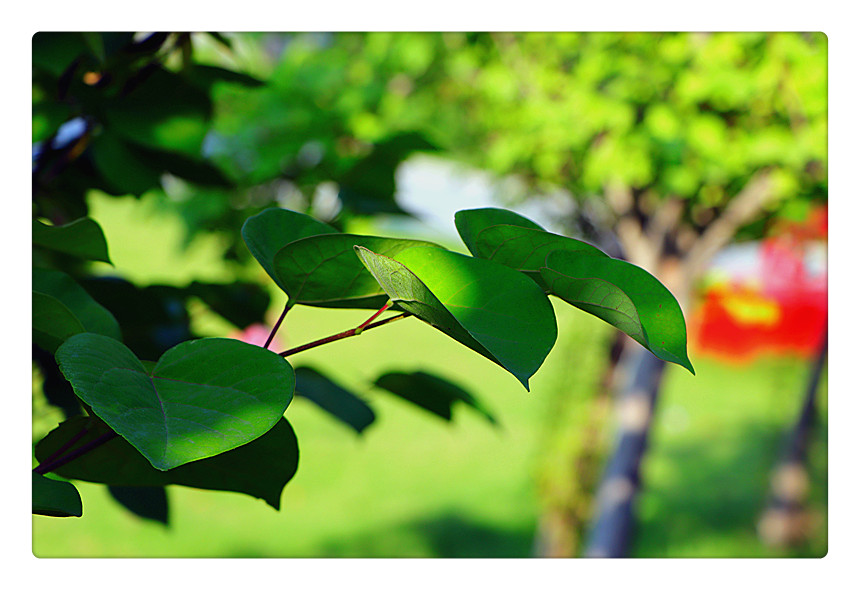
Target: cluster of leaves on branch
point(209, 412)
point(129, 114)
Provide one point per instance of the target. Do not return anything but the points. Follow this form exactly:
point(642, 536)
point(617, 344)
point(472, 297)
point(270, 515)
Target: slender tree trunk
point(612, 530)
point(787, 520)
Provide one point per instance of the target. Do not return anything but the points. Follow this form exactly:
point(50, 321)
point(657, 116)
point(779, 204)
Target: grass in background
point(416, 486)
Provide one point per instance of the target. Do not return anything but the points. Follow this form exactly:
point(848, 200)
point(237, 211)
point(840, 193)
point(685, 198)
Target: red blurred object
point(783, 310)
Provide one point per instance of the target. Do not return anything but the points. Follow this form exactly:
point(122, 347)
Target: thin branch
point(287, 308)
point(353, 332)
point(741, 209)
point(67, 445)
point(83, 449)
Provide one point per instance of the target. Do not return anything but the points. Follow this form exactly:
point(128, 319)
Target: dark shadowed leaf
point(82, 238)
point(203, 397)
point(57, 391)
point(431, 392)
point(153, 318)
point(53, 322)
point(55, 51)
point(190, 167)
point(162, 110)
point(60, 286)
point(241, 304)
point(324, 270)
point(369, 186)
point(121, 167)
point(206, 76)
point(333, 398)
point(267, 232)
point(55, 498)
point(623, 295)
point(494, 310)
point(260, 468)
point(148, 503)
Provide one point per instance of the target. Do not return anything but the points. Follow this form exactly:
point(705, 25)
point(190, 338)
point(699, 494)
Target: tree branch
point(346, 334)
point(741, 209)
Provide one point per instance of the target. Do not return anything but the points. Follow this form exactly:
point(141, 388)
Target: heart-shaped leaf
point(260, 468)
point(202, 398)
point(494, 310)
point(431, 392)
point(267, 232)
point(82, 238)
point(62, 308)
point(625, 296)
point(323, 270)
point(55, 498)
point(333, 398)
point(522, 245)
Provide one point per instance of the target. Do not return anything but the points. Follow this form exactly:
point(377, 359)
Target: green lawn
point(414, 485)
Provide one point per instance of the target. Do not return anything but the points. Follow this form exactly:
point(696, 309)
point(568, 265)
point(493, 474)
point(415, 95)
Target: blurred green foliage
point(319, 122)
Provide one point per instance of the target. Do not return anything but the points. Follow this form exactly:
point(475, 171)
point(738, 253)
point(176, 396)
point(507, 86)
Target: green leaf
point(53, 322)
point(333, 398)
point(187, 166)
point(241, 304)
point(324, 271)
point(149, 503)
point(82, 238)
point(369, 187)
point(55, 498)
point(205, 77)
point(203, 397)
point(121, 167)
point(430, 392)
point(92, 316)
point(55, 52)
point(517, 246)
point(623, 295)
point(494, 310)
point(470, 222)
point(162, 110)
point(260, 468)
point(267, 232)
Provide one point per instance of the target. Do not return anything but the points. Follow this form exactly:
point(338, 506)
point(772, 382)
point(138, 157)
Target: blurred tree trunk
point(660, 241)
point(787, 520)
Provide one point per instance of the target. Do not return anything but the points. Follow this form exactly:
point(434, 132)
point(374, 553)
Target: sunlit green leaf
point(203, 397)
point(516, 245)
point(324, 271)
point(260, 468)
point(267, 232)
point(470, 222)
point(333, 398)
point(623, 295)
point(494, 310)
point(431, 392)
point(55, 498)
point(82, 238)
